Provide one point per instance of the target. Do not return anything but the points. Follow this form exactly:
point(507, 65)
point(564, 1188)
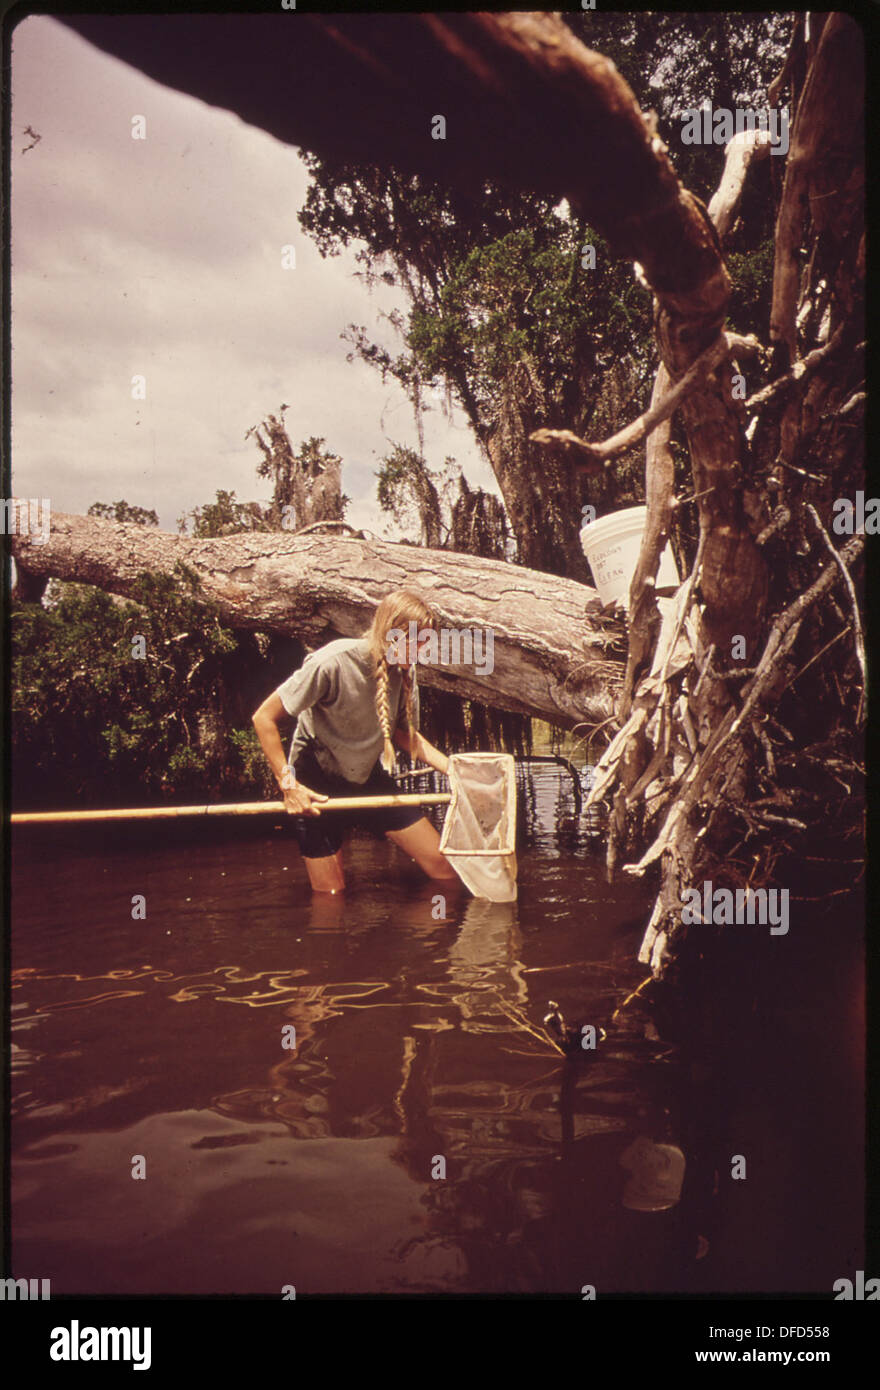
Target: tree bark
point(824, 174)
point(552, 655)
point(708, 753)
point(540, 492)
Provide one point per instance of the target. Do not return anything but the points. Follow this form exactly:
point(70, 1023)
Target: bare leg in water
point(326, 875)
point(422, 843)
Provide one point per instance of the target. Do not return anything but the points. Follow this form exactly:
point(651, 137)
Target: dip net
point(479, 832)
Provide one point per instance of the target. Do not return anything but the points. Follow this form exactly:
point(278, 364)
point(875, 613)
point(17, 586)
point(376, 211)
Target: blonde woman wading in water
point(352, 706)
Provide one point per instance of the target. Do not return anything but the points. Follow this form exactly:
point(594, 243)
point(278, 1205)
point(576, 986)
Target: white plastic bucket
point(611, 545)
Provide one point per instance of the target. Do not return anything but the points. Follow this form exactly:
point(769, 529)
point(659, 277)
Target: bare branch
point(746, 148)
point(858, 635)
point(802, 370)
point(634, 433)
point(781, 638)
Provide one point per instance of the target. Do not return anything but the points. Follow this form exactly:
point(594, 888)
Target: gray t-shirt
point(334, 695)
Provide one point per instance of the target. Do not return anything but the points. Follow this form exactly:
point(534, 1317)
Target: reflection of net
point(479, 833)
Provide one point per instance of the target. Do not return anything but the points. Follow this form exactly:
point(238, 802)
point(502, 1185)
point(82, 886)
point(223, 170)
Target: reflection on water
point(423, 1134)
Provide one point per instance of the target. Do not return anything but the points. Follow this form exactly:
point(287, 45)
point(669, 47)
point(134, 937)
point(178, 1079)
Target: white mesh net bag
point(479, 832)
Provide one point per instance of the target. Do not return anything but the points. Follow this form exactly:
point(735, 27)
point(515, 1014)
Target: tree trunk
point(708, 764)
point(552, 654)
point(541, 494)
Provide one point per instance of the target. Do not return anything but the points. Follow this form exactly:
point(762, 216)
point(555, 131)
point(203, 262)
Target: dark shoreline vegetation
point(94, 725)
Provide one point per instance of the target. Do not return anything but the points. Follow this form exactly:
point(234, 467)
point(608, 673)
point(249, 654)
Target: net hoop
point(479, 830)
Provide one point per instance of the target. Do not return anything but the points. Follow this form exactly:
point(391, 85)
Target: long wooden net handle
point(240, 808)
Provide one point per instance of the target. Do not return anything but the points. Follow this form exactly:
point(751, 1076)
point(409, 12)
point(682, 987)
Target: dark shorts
point(320, 836)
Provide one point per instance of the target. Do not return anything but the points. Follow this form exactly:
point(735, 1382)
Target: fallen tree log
point(552, 656)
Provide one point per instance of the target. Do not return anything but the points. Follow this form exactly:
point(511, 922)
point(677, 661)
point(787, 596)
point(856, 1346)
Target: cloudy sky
point(162, 257)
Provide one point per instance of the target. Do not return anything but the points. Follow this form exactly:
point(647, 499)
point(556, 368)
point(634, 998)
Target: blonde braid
point(408, 691)
point(393, 613)
point(384, 716)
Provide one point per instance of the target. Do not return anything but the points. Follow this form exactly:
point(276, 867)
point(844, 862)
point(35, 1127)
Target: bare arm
point(420, 748)
point(297, 798)
point(266, 721)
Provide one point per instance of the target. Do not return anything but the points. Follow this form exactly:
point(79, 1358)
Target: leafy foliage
point(752, 275)
point(224, 517)
point(526, 299)
point(505, 314)
point(674, 62)
point(412, 493)
point(123, 511)
point(90, 720)
point(306, 488)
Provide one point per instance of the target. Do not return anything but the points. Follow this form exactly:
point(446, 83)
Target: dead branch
point(858, 635)
point(659, 479)
point(781, 638)
point(634, 433)
point(801, 371)
point(781, 517)
point(746, 148)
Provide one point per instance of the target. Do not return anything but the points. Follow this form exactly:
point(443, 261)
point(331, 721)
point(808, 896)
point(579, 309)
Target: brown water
point(321, 1167)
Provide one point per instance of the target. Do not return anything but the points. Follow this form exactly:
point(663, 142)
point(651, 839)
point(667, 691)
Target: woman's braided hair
point(396, 610)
